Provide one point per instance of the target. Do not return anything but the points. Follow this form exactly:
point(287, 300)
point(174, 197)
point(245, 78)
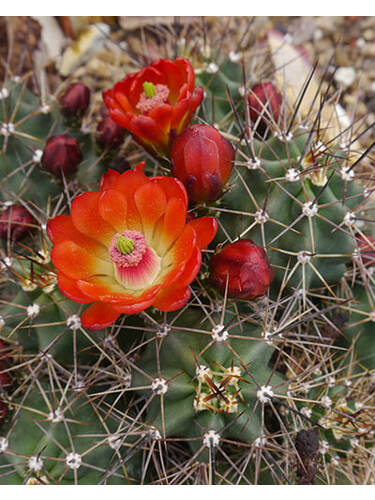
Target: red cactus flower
point(128, 246)
point(264, 100)
point(16, 222)
point(76, 100)
point(246, 268)
point(61, 155)
point(203, 160)
point(366, 246)
point(155, 102)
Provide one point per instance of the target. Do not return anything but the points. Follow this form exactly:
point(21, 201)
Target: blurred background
point(100, 50)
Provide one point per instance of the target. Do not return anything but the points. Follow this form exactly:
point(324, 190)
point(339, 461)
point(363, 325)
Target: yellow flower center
point(124, 245)
point(149, 89)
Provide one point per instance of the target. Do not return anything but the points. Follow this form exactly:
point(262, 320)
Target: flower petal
point(69, 288)
point(171, 226)
point(109, 179)
point(135, 308)
point(123, 101)
point(99, 315)
point(182, 249)
point(205, 229)
point(191, 268)
point(187, 70)
point(142, 275)
point(128, 183)
point(185, 109)
point(170, 275)
point(162, 115)
point(144, 127)
point(61, 228)
point(183, 274)
point(181, 115)
point(107, 289)
point(98, 286)
point(170, 299)
point(76, 262)
point(151, 202)
point(86, 218)
point(175, 78)
point(172, 187)
point(113, 209)
point(121, 118)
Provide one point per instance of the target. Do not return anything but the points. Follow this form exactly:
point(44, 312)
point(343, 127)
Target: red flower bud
point(366, 248)
point(264, 99)
point(202, 159)
point(15, 222)
point(62, 155)
point(5, 380)
point(3, 411)
point(5, 351)
point(245, 265)
point(76, 100)
point(109, 134)
point(120, 164)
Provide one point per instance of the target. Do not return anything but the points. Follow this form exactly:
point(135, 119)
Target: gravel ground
point(344, 45)
point(347, 45)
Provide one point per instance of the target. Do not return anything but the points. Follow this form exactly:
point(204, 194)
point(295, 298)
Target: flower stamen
point(124, 245)
point(136, 265)
point(149, 89)
point(127, 249)
point(152, 97)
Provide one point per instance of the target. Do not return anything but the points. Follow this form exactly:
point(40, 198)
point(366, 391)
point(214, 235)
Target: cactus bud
point(76, 100)
point(61, 155)
point(3, 412)
point(120, 164)
point(202, 159)
point(246, 268)
point(15, 222)
point(264, 100)
point(366, 246)
point(5, 380)
point(5, 357)
point(5, 351)
point(108, 133)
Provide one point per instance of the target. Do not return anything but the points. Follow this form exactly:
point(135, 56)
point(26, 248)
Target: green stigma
point(149, 89)
point(124, 245)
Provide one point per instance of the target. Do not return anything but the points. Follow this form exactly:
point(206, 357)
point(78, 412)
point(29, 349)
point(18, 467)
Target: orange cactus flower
point(128, 246)
point(155, 103)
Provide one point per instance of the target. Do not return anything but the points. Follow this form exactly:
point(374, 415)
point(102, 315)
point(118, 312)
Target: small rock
point(369, 50)
point(345, 76)
point(318, 34)
point(368, 35)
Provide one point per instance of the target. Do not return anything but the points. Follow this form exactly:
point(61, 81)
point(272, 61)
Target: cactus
point(275, 389)
point(213, 379)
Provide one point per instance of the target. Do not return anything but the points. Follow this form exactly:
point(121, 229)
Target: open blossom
point(128, 246)
point(156, 102)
